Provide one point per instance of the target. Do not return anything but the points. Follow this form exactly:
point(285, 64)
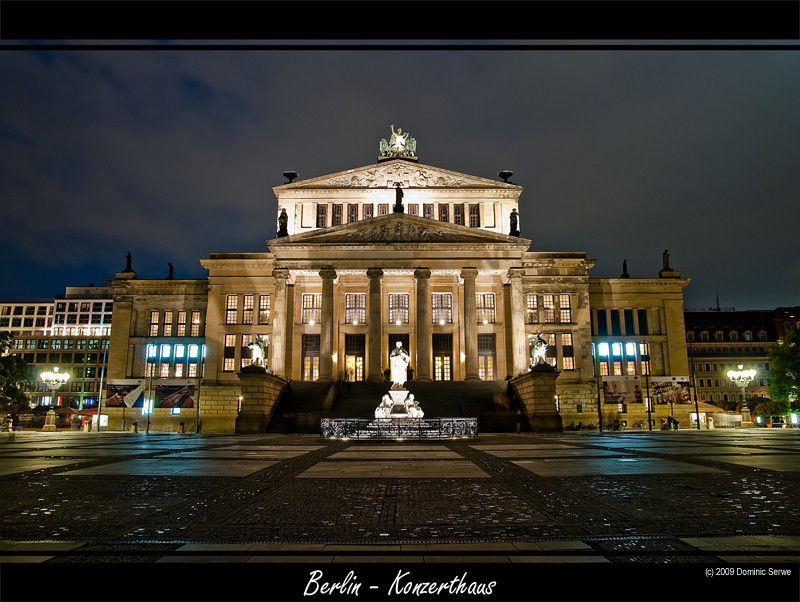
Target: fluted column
point(470, 325)
point(280, 323)
point(423, 369)
point(519, 356)
point(326, 326)
point(374, 321)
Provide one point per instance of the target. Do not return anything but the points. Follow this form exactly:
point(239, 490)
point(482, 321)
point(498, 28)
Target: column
point(326, 327)
point(374, 343)
point(280, 323)
point(470, 325)
point(423, 367)
point(519, 355)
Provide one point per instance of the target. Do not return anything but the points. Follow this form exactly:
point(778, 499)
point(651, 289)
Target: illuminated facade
point(397, 251)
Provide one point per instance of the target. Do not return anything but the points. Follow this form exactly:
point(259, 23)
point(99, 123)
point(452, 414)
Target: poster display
point(125, 393)
point(622, 390)
point(670, 389)
point(174, 393)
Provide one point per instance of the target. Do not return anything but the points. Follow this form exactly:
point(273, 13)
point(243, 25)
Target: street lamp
point(53, 380)
point(743, 378)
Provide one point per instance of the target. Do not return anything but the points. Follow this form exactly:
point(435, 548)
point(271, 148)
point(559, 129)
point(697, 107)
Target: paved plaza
point(662, 497)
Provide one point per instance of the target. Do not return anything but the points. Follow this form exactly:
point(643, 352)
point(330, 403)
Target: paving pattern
point(632, 497)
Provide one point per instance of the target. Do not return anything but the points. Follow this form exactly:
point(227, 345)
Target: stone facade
point(349, 275)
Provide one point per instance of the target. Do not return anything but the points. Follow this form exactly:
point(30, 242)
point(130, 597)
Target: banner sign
point(622, 390)
point(670, 389)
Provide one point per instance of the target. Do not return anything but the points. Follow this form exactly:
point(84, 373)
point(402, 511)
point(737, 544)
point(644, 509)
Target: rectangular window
point(413, 209)
point(337, 215)
point(229, 353)
point(246, 353)
point(247, 309)
point(485, 308)
point(167, 323)
point(181, 324)
point(444, 213)
point(322, 216)
point(312, 308)
point(231, 309)
point(310, 351)
point(195, 324)
point(427, 210)
point(474, 216)
point(398, 308)
point(551, 354)
point(263, 309)
point(442, 306)
point(355, 308)
point(643, 329)
point(628, 316)
point(615, 325)
point(486, 357)
point(383, 209)
point(458, 215)
point(442, 344)
point(352, 213)
point(532, 307)
point(549, 305)
point(567, 351)
point(367, 211)
point(153, 323)
point(602, 324)
point(565, 309)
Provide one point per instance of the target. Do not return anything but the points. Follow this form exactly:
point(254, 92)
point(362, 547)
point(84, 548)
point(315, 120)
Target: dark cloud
point(172, 155)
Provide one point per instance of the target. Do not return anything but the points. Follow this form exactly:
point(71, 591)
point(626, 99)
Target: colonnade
point(423, 323)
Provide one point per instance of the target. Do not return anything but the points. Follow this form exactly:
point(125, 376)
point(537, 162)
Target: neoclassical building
point(396, 251)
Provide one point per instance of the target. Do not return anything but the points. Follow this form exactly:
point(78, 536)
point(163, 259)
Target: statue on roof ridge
point(399, 144)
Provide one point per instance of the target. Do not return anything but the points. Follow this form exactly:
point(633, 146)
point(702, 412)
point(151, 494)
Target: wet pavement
point(662, 497)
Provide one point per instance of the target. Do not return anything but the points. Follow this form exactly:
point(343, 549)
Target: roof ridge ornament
point(400, 145)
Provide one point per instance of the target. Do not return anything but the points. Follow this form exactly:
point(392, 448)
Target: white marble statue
point(399, 360)
point(412, 407)
point(384, 410)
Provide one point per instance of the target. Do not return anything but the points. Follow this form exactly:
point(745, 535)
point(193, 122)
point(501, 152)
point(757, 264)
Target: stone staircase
point(491, 402)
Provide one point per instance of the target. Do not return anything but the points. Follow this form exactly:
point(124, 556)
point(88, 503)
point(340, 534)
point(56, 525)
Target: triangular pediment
point(399, 228)
point(388, 173)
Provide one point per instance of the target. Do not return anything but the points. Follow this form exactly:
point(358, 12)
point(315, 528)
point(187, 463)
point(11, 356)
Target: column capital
point(422, 273)
point(281, 273)
point(516, 272)
point(469, 273)
point(327, 273)
point(374, 273)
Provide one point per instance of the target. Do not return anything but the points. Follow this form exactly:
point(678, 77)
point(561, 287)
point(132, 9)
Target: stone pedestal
point(260, 393)
point(747, 421)
point(50, 422)
point(536, 391)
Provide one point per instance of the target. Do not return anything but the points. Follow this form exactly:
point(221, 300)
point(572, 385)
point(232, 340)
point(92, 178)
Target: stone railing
point(396, 428)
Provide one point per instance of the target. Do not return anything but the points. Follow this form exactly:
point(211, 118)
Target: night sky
point(172, 155)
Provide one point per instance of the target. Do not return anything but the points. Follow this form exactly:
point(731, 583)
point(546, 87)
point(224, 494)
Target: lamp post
point(743, 378)
point(644, 360)
point(52, 380)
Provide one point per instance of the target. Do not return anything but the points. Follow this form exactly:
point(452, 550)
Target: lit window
point(229, 353)
point(442, 306)
point(181, 324)
point(549, 304)
point(312, 308)
point(167, 323)
point(263, 309)
point(532, 307)
point(247, 309)
point(153, 323)
point(565, 309)
point(354, 308)
point(398, 308)
point(231, 309)
point(195, 324)
point(485, 308)
point(337, 215)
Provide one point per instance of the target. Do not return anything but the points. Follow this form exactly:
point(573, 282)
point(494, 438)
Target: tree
point(14, 375)
point(769, 408)
point(785, 368)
